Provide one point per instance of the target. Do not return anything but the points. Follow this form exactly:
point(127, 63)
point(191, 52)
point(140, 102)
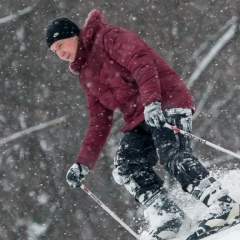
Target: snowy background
point(43, 118)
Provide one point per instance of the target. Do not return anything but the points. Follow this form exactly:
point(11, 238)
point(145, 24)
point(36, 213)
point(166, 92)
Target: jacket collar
point(75, 66)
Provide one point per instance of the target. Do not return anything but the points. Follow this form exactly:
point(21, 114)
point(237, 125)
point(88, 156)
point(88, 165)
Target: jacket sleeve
point(100, 123)
point(130, 51)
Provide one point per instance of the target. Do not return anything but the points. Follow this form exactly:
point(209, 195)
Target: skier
point(118, 70)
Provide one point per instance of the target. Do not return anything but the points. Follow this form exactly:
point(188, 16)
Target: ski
point(216, 234)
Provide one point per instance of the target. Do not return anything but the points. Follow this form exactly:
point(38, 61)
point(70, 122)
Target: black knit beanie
point(60, 28)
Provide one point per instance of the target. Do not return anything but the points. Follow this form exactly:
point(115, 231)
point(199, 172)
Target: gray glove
point(76, 174)
point(154, 115)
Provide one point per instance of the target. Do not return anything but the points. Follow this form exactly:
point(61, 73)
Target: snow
point(230, 180)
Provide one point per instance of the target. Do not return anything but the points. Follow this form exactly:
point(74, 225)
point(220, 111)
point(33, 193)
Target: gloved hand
point(154, 115)
point(76, 174)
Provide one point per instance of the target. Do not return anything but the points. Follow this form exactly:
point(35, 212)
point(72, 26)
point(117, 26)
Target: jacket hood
point(93, 22)
point(75, 66)
point(86, 37)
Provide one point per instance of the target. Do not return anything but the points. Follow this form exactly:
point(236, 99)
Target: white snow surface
point(230, 180)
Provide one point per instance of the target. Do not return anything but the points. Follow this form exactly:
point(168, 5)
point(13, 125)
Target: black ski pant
point(143, 147)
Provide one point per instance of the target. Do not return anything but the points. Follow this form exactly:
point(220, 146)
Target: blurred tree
point(36, 89)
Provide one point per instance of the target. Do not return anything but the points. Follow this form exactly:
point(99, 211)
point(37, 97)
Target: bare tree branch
point(204, 46)
point(31, 129)
point(214, 51)
point(215, 111)
point(203, 100)
point(16, 15)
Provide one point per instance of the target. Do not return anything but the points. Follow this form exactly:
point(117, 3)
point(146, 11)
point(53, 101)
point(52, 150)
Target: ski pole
point(86, 190)
point(201, 140)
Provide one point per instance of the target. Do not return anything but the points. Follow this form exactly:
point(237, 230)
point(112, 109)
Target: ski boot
point(164, 217)
point(224, 212)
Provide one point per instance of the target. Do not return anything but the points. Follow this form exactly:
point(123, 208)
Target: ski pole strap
point(99, 202)
point(175, 129)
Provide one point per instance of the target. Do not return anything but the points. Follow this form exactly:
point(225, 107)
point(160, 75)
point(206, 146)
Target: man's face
point(66, 49)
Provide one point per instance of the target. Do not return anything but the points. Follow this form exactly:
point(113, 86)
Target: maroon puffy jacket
point(118, 70)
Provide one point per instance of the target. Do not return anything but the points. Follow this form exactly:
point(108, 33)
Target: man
point(118, 70)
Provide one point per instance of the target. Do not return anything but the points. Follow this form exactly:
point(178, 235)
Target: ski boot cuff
point(207, 191)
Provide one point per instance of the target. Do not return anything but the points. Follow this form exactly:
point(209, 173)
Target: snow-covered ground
point(230, 180)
